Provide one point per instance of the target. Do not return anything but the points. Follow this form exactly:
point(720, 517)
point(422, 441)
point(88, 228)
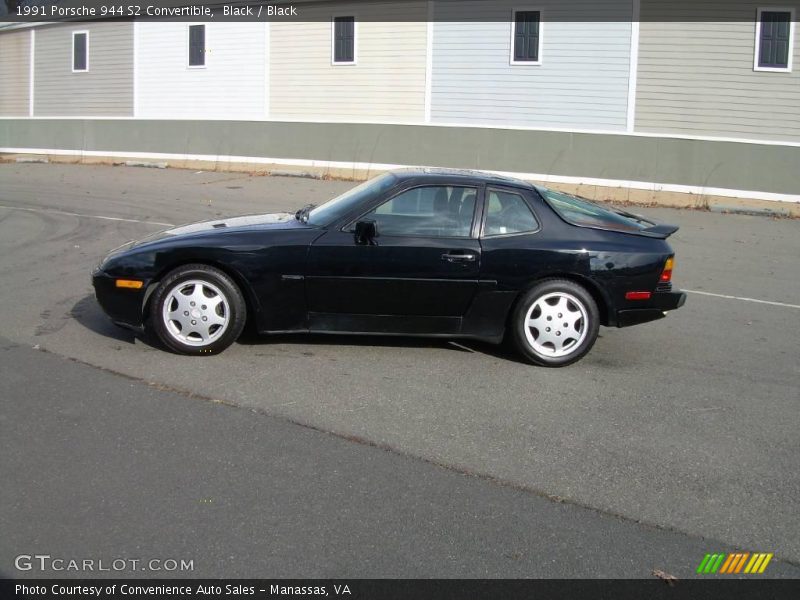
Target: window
point(526, 37)
point(80, 51)
point(430, 211)
point(774, 39)
point(335, 209)
point(197, 45)
point(588, 214)
point(344, 40)
point(507, 213)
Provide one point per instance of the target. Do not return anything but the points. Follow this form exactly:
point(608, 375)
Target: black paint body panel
point(298, 277)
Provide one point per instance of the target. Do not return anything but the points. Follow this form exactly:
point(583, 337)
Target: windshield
point(338, 207)
point(588, 214)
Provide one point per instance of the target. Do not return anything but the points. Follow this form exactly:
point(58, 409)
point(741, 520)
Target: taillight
point(666, 274)
point(637, 295)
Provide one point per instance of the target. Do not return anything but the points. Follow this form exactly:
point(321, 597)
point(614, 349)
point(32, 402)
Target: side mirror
point(366, 232)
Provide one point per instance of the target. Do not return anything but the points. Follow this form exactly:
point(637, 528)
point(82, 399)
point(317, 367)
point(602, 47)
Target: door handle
point(455, 258)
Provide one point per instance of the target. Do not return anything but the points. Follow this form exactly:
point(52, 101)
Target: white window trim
point(340, 63)
point(513, 26)
point(72, 58)
point(429, 64)
point(136, 69)
point(267, 68)
point(189, 46)
point(788, 68)
point(633, 67)
point(32, 74)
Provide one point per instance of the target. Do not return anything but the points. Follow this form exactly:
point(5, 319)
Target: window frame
point(189, 64)
point(349, 226)
point(757, 50)
point(72, 58)
point(526, 198)
point(342, 63)
point(513, 27)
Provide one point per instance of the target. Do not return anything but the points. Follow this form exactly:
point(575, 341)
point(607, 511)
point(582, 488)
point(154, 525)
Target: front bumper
point(124, 306)
point(660, 303)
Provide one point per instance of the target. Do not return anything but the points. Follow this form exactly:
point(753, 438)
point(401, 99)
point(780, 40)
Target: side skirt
point(495, 339)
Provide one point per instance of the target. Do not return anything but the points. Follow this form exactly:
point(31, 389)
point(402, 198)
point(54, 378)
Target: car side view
point(424, 252)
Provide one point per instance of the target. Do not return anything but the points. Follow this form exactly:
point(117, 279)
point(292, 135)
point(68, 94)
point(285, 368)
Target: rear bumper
point(660, 303)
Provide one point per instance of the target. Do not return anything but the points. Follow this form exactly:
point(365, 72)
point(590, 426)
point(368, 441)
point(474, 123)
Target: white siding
point(231, 86)
point(582, 81)
point(696, 72)
point(388, 81)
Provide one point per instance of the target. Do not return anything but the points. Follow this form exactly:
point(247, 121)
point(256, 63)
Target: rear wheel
point(555, 323)
point(197, 309)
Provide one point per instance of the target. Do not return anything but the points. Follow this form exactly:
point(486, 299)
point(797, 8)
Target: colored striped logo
point(738, 562)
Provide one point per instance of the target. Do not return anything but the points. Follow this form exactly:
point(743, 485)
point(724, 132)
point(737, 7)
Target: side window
point(80, 51)
point(430, 211)
point(774, 40)
point(526, 37)
point(507, 212)
point(344, 40)
point(197, 45)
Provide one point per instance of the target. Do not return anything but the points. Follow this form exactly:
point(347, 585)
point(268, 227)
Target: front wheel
point(555, 323)
point(197, 309)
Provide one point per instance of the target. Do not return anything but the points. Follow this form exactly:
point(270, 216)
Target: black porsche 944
point(427, 252)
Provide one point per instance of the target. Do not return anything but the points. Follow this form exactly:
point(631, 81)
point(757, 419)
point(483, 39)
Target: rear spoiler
point(657, 231)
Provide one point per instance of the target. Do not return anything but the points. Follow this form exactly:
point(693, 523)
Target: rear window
point(588, 214)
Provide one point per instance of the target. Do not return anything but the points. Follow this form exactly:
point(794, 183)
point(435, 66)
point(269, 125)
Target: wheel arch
point(250, 301)
point(591, 286)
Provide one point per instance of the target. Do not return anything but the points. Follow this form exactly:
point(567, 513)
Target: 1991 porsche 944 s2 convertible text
point(428, 252)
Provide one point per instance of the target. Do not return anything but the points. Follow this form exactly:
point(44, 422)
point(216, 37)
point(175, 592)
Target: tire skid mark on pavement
point(742, 298)
point(72, 214)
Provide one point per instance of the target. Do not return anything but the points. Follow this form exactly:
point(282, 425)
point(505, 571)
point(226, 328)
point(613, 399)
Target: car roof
point(460, 175)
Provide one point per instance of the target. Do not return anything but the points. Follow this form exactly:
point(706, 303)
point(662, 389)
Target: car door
point(514, 250)
point(418, 275)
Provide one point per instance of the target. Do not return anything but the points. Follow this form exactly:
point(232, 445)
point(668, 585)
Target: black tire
point(215, 311)
point(575, 332)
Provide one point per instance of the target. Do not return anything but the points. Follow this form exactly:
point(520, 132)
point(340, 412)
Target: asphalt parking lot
point(688, 425)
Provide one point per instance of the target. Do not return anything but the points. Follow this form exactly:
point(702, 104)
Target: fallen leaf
point(669, 579)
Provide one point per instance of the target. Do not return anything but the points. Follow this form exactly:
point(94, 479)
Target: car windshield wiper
point(302, 214)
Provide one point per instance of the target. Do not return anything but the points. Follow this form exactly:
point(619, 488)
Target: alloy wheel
point(556, 324)
point(196, 312)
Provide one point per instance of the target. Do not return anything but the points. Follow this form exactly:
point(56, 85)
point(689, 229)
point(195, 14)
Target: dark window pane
point(79, 54)
point(431, 211)
point(508, 213)
point(344, 39)
point(773, 47)
point(588, 214)
point(197, 45)
point(351, 199)
point(526, 36)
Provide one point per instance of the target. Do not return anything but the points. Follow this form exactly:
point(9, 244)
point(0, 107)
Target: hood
point(268, 221)
point(232, 222)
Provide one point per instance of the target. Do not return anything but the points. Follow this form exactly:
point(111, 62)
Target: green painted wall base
point(769, 169)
